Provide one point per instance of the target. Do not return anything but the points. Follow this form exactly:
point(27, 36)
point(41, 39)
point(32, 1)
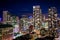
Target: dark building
point(52, 21)
point(6, 32)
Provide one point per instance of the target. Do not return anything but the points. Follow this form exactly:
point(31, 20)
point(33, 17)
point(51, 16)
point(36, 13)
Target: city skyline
point(38, 23)
point(20, 7)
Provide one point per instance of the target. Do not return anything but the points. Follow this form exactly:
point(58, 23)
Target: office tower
point(24, 23)
point(18, 23)
point(30, 22)
point(17, 20)
point(15, 23)
point(52, 16)
point(44, 22)
point(52, 23)
point(14, 20)
point(5, 16)
point(43, 18)
point(37, 16)
point(9, 19)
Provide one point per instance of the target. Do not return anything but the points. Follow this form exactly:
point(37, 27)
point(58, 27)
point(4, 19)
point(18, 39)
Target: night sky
point(21, 7)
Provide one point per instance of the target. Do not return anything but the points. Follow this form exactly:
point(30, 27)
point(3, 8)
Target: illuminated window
point(33, 6)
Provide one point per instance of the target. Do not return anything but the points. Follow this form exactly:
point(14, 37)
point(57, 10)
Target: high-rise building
point(18, 23)
point(53, 22)
point(15, 23)
point(30, 22)
point(6, 17)
point(44, 22)
point(9, 19)
point(43, 18)
point(17, 19)
point(14, 20)
point(52, 16)
point(24, 22)
point(37, 16)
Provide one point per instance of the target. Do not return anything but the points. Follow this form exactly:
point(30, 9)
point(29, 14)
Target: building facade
point(6, 32)
point(37, 16)
point(53, 21)
point(24, 23)
point(52, 16)
point(6, 17)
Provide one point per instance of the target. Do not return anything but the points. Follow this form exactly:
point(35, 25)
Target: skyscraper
point(15, 23)
point(37, 16)
point(17, 19)
point(52, 17)
point(44, 22)
point(30, 22)
point(24, 22)
point(5, 16)
point(52, 23)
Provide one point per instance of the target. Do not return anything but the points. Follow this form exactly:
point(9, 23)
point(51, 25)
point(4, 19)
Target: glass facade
point(37, 16)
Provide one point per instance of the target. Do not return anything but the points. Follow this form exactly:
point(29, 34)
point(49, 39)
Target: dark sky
point(20, 7)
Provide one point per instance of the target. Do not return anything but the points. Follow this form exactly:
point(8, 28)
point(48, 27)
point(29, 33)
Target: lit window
point(55, 14)
point(49, 15)
point(33, 6)
point(49, 9)
point(37, 19)
point(49, 19)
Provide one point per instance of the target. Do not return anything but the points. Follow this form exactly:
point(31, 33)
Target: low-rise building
point(6, 32)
